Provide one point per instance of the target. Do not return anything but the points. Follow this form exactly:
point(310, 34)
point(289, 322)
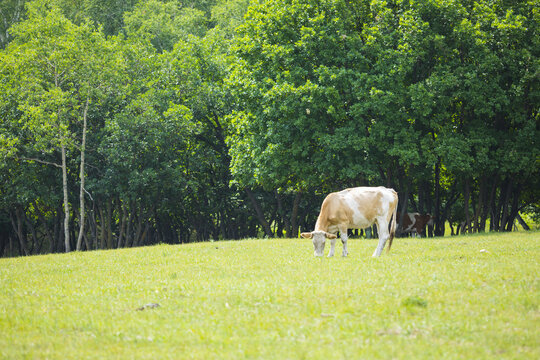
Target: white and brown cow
point(355, 208)
point(415, 223)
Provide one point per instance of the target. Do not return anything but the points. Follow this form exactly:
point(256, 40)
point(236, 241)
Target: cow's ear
point(330, 236)
point(307, 235)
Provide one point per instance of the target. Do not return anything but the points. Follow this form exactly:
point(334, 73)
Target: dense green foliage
point(131, 123)
point(473, 296)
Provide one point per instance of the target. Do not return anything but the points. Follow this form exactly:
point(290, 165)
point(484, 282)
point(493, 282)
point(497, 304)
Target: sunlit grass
point(474, 297)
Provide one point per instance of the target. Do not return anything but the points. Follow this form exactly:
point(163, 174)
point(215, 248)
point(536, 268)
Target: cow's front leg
point(332, 247)
point(344, 239)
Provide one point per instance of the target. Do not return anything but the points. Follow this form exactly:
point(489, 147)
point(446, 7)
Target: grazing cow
point(415, 223)
point(356, 208)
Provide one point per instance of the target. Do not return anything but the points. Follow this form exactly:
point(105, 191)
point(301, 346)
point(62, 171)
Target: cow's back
point(355, 207)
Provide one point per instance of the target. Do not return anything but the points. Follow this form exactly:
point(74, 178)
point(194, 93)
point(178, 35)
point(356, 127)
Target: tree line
point(140, 122)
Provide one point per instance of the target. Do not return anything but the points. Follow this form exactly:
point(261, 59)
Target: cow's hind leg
point(382, 229)
point(380, 246)
point(344, 239)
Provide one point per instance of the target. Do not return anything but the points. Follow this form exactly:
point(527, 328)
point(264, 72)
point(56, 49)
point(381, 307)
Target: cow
point(415, 223)
point(355, 208)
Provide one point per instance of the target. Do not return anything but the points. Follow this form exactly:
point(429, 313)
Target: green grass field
point(467, 297)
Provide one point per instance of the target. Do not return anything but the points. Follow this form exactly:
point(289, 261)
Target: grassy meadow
point(466, 297)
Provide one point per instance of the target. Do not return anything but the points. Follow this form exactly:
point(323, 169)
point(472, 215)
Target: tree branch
point(39, 161)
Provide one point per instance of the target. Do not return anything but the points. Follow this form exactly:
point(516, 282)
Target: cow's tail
point(392, 227)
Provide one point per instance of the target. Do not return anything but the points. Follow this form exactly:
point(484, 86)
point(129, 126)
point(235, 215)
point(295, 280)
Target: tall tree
point(55, 68)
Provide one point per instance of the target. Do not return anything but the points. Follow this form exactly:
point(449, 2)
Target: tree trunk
point(294, 216)
point(403, 201)
point(122, 223)
point(480, 205)
point(4, 240)
point(429, 207)
point(259, 212)
point(451, 199)
point(438, 219)
point(522, 222)
point(284, 217)
point(496, 209)
point(109, 224)
point(131, 211)
point(102, 241)
point(513, 213)
point(466, 197)
point(140, 240)
point(41, 218)
point(93, 242)
point(57, 229)
point(452, 233)
point(66, 200)
point(81, 176)
point(137, 234)
point(138, 230)
point(18, 227)
point(489, 205)
point(35, 240)
point(505, 201)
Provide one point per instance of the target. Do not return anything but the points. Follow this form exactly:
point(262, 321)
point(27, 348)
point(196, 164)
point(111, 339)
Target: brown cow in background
point(415, 223)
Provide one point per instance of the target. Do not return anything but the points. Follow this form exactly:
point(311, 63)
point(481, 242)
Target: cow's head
point(319, 239)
